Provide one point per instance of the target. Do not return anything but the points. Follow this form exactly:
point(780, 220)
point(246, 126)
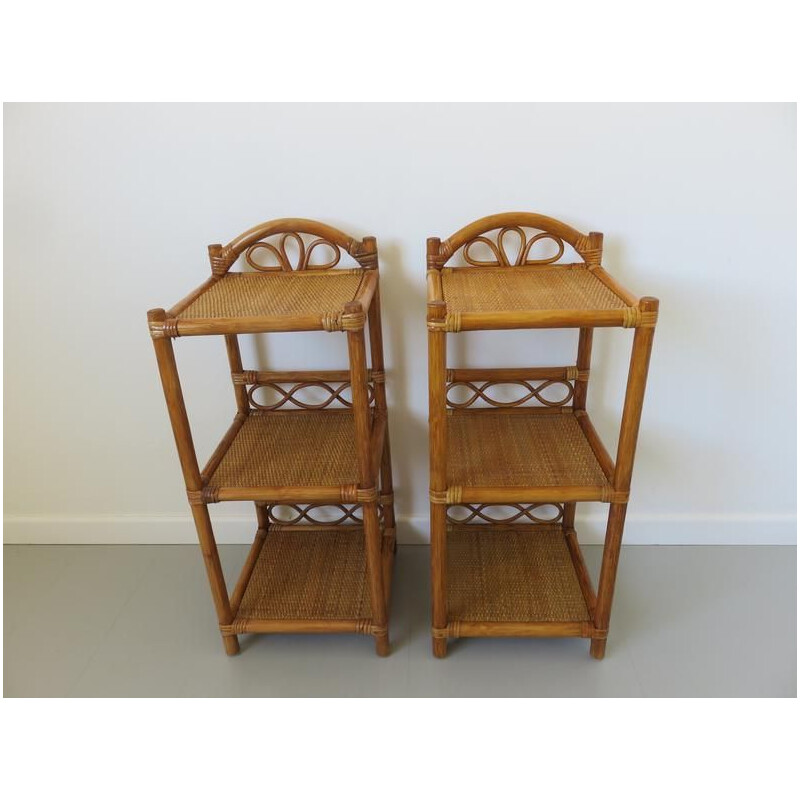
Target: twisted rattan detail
point(534, 391)
point(308, 513)
point(519, 512)
point(291, 395)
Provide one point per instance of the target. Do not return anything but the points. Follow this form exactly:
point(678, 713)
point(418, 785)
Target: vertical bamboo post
point(583, 363)
point(626, 451)
point(170, 382)
point(358, 381)
point(379, 387)
point(235, 361)
point(437, 423)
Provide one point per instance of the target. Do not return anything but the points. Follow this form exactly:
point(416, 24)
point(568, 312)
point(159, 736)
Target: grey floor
point(138, 621)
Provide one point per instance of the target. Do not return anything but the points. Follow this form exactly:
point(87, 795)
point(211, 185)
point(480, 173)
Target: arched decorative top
point(273, 256)
point(511, 226)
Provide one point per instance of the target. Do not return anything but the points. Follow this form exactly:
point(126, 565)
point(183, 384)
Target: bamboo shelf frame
point(314, 457)
point(508, 468)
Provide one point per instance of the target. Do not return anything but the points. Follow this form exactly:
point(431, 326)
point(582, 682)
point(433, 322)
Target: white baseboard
point(659, 529)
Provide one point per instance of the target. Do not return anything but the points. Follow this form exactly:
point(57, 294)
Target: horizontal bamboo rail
point(462, 628)
point(524, 410)
point(364, 626)
point(568, 318)
point(287, 323)
point(287, 494)
point(528, 494)
point(516, 374)
point(256, 377)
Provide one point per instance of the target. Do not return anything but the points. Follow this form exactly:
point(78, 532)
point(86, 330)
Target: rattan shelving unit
point(513, 450)
point(314, 457)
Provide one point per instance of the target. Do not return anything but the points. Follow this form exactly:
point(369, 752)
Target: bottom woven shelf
point(309, 580)
point(520, 574)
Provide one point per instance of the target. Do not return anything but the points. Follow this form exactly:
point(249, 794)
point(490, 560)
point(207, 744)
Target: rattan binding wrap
point(241, 294)
point(507, 448)
point(497, 574)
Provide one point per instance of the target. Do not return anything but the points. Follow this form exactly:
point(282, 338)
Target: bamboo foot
point(231, 645)
point(598, 648)
point(439, 648)
point(382, 647)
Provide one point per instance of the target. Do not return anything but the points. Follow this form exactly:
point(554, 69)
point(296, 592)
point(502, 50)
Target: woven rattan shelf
point(543, 449)
point(512, 574)
point(308, 579)
point(513, 449)
point(309, 448)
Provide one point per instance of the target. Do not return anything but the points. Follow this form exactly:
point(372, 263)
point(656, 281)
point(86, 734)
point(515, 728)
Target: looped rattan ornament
point(283, 263)
point(518, 512)
point(522, 257)
point(480, 391)
point(291, 395)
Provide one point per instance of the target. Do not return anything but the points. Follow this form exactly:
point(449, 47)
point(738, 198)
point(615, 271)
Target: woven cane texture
point(309, 575)
point(507, 448)
point(567, 287)
point(507, 575)
point(291, 448)
point(241, 294)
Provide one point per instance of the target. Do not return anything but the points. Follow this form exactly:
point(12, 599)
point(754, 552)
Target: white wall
point(108, 210)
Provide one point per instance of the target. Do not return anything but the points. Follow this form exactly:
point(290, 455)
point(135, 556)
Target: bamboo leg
point(208, 546)
point(439, 574)
point(372, 534)
point(437, 419)
point(170, 382)
point(626, 451)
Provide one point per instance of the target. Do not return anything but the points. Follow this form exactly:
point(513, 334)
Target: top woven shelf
point(516, 277)
point(297, 282)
